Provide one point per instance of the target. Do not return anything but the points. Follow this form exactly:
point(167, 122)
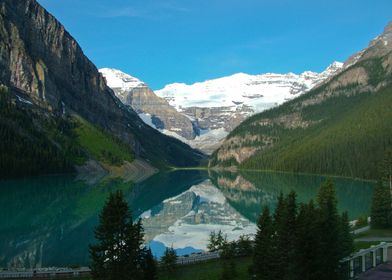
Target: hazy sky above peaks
point(166, 41)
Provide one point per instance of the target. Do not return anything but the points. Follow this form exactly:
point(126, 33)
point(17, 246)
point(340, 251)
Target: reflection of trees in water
point(248, 192)
point(50, 220)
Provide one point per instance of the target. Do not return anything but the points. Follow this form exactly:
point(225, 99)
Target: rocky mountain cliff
point(155, 111)
point(343, 126)
point(45, 68)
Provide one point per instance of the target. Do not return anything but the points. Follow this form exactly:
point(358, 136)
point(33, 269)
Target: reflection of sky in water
point(185, 221)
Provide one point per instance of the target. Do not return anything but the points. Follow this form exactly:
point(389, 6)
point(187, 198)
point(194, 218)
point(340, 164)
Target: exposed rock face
point(242, 148)
point(39, 58)
point(154, 110)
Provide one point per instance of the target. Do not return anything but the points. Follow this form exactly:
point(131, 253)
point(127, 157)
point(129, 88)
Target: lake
point(49, 221)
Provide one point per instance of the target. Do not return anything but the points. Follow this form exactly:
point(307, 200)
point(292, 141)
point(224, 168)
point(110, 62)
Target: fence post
point(363, 262)
point(352, 268)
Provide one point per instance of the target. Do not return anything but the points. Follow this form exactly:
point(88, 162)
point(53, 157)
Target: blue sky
point(165, 41)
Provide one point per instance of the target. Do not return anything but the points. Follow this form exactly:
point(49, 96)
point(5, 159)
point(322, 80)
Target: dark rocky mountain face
point(41, 61)
point(154, 110)
point(341, 127)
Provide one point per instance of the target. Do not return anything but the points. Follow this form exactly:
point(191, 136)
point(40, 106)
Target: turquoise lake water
point(49, 221)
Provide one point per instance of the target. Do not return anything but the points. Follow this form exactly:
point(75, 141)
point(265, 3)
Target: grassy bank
point(375, 233)
point(210, 270)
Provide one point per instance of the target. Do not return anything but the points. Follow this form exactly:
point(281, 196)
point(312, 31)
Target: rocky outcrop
point(41, 59)
point(154, 110)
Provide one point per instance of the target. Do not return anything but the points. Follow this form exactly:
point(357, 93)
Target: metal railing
point(365, 259)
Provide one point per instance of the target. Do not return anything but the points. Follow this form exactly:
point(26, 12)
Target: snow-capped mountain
point(121, 81)
point(202, 114)
point(225, 102)
point(256, 91)
point(153, 110)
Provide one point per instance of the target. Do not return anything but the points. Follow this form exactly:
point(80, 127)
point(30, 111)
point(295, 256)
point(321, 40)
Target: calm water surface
point(49, 221)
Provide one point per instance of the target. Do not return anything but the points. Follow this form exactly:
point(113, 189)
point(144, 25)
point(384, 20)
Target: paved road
point(382, 272)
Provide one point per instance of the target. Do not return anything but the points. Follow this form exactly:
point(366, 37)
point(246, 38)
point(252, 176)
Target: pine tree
point(169, 262)
point(381, 211)
point(244, 245)
point(328, 226)
point(307, 243)
point(285, 234)
point(118, 253)
point(345, 236)
point(216, 241)
point(278, 225)
point(150, 266)
point(229, 270)
point(386, 170)
point(264, 254)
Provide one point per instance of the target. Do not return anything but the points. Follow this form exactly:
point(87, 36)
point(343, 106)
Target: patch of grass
point(210, 270)
point(101, 145)
point(375, 233)
point(358, 245)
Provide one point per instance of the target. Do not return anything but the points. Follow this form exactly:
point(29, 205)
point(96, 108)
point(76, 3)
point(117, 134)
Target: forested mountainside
point(342, 127)
point(56, 106)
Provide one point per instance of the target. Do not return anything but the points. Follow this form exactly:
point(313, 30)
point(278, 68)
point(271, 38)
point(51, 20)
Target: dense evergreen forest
point(35, 143)
point(24, 149)
point(305, 241)
point(350, 142)
point(346, 134)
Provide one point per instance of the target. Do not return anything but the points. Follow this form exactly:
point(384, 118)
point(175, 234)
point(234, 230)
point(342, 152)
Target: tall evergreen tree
point(328, 224)
point(307, 243)
point(386, 170)
point(169, 262)
point(345, 236)
point(228, 254)
point(244, 246)
point(216, 241)
point(118, 253)
point(278, 226)
point(150, 266)
point(288, 238)
point(264, 254)
point(381, 211)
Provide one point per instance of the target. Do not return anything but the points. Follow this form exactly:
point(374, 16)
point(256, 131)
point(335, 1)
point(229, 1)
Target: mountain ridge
point(341, 127)
point(201, 121)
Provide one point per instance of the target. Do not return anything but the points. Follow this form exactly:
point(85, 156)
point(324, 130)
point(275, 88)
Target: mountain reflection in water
point(49, 221)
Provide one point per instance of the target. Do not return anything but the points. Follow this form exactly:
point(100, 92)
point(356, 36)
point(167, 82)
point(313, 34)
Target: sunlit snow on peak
point(120, 80)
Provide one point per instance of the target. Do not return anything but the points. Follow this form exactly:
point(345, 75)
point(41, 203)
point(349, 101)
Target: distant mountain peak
point(117, 79)
point(335, 65)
